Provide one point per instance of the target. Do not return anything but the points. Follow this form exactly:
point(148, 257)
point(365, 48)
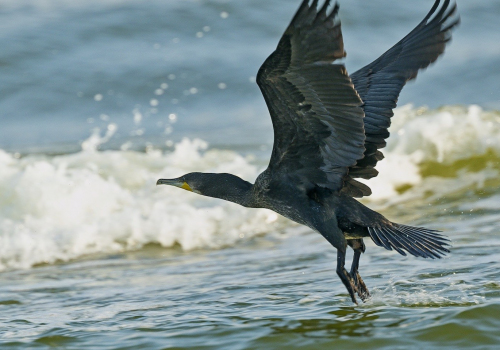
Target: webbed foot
point(360, 286)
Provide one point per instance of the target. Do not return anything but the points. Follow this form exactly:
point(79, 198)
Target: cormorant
point(328, 129)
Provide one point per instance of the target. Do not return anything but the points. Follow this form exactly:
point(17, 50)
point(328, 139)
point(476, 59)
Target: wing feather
point(380, 82)
point(315, 110)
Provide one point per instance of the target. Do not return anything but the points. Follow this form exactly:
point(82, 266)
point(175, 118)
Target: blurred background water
point(98, 99)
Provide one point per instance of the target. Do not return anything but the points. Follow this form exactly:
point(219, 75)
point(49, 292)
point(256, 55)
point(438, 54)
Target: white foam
point(59, 208)
point(444, 136)
point(62, 207)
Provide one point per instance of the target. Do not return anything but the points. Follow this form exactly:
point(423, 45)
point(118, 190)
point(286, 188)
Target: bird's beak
point(175, 182)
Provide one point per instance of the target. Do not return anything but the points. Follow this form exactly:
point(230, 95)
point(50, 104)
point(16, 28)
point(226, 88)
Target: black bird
point(328, 129)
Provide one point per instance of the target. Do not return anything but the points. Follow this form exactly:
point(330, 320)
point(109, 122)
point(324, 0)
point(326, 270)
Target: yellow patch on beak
point(186, 187)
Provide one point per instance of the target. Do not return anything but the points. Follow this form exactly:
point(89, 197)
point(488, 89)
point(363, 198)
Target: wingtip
point(431, 11)
point(322, 12)
point(303, 7)
point(444, 12)
point(334, 12)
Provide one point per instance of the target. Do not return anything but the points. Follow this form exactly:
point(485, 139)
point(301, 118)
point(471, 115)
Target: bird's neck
point(244, 198)
point(231, 188)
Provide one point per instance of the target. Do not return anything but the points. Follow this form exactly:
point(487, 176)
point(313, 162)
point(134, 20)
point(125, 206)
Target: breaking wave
point(56, 208)
point(435, 153)
point(62, 207)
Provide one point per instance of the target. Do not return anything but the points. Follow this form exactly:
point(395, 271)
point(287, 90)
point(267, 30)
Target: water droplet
point(126, 146)
point(137, 117)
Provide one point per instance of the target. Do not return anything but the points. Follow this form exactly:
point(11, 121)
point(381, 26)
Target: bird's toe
point(360, 286)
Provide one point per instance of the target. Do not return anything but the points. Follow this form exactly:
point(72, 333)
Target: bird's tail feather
point(418, 241)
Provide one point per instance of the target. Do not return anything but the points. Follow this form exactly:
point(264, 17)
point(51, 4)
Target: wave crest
point(62, 207)
point(454, 145)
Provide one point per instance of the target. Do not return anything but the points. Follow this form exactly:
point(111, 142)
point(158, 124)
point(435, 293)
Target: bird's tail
point(417, 241)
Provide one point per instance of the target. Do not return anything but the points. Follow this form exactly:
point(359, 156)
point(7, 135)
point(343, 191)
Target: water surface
point(99, 99)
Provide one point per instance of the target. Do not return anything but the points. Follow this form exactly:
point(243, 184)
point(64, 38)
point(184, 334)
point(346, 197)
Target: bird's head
point(224, 186)
point(192, 182)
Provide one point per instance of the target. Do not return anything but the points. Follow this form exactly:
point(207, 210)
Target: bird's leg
point(359, 247)
point(344, 275)
point(358, 281)
point(336, 237)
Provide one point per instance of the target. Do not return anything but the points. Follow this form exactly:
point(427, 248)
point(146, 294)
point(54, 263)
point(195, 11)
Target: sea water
point(99, 99)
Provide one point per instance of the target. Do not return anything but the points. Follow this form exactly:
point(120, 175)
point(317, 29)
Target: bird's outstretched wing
point(316, 113)
point(380, 83)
